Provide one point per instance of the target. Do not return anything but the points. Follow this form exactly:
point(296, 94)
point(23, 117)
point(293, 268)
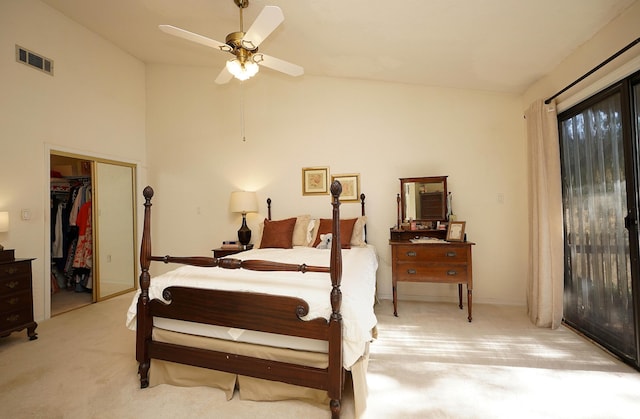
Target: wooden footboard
point(243, 310)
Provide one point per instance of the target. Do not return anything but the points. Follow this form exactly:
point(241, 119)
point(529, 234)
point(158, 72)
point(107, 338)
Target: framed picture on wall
point(350, 186)
point(455, 231)
point(315, 180)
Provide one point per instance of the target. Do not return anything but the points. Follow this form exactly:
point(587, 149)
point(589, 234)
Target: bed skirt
point(250, 388)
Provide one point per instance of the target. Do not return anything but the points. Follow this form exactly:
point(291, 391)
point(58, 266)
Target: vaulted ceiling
point(495, 45)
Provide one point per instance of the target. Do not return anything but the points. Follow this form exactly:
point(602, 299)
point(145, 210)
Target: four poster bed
point(295, 314)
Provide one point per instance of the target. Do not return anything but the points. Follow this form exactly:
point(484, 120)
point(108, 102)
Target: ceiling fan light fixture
point(242, 71)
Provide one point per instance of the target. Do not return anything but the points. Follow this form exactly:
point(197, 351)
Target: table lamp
point(4, 224)
point(244, 202)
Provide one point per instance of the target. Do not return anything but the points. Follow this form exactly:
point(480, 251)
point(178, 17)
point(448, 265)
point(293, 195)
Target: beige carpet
point(428, 363)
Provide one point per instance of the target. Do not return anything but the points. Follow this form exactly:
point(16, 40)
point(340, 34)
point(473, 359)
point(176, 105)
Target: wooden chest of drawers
point(443, 262)
point(16, 298)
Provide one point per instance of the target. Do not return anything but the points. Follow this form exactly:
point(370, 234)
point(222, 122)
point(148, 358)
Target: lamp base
point(244, 234)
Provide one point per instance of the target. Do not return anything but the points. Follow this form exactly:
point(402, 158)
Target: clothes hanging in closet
point(72, 238)
point(83, 257)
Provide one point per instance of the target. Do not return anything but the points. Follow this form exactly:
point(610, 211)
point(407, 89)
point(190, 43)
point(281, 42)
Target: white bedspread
point(359, 265)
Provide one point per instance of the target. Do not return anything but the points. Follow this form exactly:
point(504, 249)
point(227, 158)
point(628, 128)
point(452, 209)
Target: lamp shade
point(4, 221)
point(243, 202)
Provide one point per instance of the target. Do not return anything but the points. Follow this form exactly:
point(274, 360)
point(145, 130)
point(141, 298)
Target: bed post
point(335, 322)
point(144, 322)
point(269, 208)
point(362, 197)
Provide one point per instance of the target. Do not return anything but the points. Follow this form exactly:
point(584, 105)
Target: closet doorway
point(92, 230)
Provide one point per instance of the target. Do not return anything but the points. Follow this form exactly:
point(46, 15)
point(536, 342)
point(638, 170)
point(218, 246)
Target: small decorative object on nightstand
point(244, 202)
point(16, 296)
point(224, 252)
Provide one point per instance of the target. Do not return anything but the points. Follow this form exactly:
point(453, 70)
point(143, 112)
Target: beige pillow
point(300, 231)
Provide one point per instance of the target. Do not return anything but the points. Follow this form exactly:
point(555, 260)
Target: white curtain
point(546, 254)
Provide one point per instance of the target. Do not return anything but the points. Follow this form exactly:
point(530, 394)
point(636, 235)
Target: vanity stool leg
point(460, 296)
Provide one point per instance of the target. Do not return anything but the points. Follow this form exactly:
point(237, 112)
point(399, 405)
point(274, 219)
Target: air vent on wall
point(34, 60)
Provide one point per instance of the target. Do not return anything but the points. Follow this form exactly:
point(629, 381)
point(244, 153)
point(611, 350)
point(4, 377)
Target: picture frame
point(350, 186)
point(455, 231)
point(315, 180)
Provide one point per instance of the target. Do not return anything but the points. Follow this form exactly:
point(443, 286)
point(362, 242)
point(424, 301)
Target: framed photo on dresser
point(455, 231)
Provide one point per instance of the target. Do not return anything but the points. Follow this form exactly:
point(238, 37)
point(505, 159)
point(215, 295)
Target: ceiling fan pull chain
point(244, 139)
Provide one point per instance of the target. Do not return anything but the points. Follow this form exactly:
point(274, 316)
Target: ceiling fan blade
point(190, 36)
point(266, 22)
point(224, 77)
point(280, 65)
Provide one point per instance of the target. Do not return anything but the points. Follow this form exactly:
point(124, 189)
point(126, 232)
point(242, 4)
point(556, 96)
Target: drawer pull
point(411, 271)
point(452, 273)
point(411, 253)
point(13, 301)
point(451, 254)
point(12, 284)
point(11, 270)
point(13, 318)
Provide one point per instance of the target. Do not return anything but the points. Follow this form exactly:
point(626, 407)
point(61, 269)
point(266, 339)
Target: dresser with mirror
point(420, 251)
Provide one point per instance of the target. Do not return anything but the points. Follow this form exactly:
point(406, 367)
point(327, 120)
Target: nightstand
point(220, 252)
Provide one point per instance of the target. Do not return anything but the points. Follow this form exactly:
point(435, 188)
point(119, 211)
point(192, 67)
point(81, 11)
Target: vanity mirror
point(423, 200)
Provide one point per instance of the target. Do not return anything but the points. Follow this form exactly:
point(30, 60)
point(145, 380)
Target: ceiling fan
point(244, 45)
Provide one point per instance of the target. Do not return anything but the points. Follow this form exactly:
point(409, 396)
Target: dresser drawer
point(432, 253)
point(10, 270)
point(16, 318)
point(15, 301)
point(428, 272)
point(14, 283)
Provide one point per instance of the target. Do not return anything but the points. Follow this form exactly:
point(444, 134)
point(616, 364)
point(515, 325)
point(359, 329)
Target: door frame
point(50, 149)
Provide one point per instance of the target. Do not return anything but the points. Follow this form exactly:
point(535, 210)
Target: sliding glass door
point(599, 176)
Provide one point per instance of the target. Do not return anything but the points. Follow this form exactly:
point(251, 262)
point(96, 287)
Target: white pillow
point(310, 229)
point(358, 236)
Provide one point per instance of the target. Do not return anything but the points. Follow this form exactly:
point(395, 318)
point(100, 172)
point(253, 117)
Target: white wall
point(94, 104)
point(382, 131)
point(613, 37)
